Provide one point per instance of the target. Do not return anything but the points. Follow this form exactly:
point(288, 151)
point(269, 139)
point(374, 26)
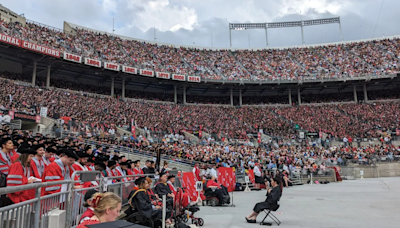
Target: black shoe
point(250, 220)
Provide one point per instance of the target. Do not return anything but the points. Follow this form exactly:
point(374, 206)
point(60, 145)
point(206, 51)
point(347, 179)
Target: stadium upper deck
point(343, 60)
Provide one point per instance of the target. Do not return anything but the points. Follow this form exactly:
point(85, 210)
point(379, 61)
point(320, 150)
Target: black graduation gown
point(142, 203)
point(271, 202)
point(162, 189)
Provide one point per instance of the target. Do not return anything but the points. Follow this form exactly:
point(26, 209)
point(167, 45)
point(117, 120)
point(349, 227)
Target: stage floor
point(353, 203)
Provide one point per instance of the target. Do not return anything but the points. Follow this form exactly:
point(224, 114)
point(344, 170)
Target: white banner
point(43, 111)
point(194, 79)
point(93, 62)
point(129, 70)
point(72, 57)
point(148, 73)
point(111, 66)
point(178, 77)
point(163, 75)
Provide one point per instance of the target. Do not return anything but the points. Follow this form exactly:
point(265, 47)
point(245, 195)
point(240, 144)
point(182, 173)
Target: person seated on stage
point(141, 202)
point(107, 207)
point(89, 213)
point(220, 191)
point(273, 196)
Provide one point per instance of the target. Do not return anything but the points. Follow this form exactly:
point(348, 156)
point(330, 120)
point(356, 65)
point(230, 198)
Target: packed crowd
point(357, 120)
point(355, 59)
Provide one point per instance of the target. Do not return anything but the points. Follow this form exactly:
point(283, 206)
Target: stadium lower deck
point(352, 203)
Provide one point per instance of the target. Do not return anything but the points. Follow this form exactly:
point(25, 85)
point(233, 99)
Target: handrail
point(11, 189)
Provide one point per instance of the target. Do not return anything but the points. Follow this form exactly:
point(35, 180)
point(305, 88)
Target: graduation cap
point(81, 154)
point(27, 151)
point(116, 224)
point(164, 173)
point(71, 154)
point(135, 162)
point(5, 140)
point(51, 150)
point(111, 163)
point(36, 147)
point(101, 164)
point(124, 163)
point(172, 176)
point(16, 143)
point(115, 158)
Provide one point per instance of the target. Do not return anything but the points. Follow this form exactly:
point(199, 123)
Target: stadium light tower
point(266, 26)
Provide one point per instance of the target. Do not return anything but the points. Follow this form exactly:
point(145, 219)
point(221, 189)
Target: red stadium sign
point(163, 75)
point(111, 66)
point(40, 49)
point(129, 70)
point(10, 40)
point(93, 62)
point(178, 77)
point(72, 57)
point(194, 79)
point(148, 73)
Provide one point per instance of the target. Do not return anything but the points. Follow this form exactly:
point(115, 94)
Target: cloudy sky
point(205, 22)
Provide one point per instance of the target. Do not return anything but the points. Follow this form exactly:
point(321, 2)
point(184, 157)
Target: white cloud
point(110, 6)
point(162, 15)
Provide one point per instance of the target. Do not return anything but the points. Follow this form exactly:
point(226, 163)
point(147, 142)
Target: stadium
point(215, 128)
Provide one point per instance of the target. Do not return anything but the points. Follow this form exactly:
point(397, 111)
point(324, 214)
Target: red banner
point(188, 182)
point(178, 77)
point(321, 134)
point(40, 49)
point(200, 133)
point(129, 70)
point(259, 137)
point(194, 79)
point(93, 62)
point(251, 176)
point(38, 118)
point(10, 40)
point(148, 73)
point(72, 57)
point(163, 75)
point(227, 177)
point(111, 66)
point(397, 131)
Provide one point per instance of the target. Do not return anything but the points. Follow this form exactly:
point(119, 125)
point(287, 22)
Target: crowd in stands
point(105, 112)
point(375, 57)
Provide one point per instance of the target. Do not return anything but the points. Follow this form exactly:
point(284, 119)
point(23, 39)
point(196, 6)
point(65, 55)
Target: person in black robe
point(162, 187)
point(140, 201)
point(148, 169)
point(273, 196)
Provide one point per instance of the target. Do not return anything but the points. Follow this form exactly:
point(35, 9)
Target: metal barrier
point(35, 212)
point(29, 213)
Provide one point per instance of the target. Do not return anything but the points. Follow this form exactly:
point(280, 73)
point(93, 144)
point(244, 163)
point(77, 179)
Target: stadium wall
point(8, 15)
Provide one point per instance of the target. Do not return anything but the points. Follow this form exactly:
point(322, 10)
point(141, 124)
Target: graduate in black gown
point(273, 196)
point(141, 201)
point(162, 187)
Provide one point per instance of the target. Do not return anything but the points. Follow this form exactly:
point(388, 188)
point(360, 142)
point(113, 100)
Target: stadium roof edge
point(233, 49)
